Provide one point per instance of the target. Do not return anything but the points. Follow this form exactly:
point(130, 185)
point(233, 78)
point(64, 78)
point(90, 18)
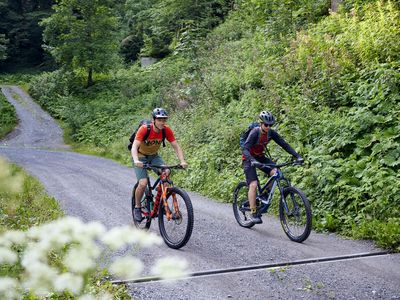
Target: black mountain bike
point(171, 205)
point(294, 207)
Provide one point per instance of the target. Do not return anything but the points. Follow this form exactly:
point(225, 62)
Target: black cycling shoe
point(137, 214)
point(255, 218)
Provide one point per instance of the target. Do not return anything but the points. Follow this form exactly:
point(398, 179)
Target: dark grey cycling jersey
point(256, 143)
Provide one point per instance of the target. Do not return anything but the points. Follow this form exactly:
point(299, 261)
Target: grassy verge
point(8, 118)
point(29, 207)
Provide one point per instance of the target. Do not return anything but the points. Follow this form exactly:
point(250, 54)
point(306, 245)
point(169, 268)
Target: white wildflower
point(7, 256)
point(91, 248)
point(12, 237)
point(33, 255)
point(118, 237)
point(8, 288)
point(100, 296)
point(104, 296)
point(87, 297)
point(170, 268)
point(68, 282)
point(34, 233)
point(40, 279)
point(95, 229)
point(126, 267)
point(78, 260)
point(147, 239)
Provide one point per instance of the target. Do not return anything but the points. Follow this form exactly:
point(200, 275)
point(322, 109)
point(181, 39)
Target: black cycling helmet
point(267, 118)
point(159, 113)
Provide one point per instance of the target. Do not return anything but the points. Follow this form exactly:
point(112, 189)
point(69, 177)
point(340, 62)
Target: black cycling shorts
point(250, 171)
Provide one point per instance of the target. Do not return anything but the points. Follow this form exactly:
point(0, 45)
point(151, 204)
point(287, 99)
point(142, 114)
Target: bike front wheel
point(295, 214)
point(146, 222)
point(177, 230)
point(241, 206)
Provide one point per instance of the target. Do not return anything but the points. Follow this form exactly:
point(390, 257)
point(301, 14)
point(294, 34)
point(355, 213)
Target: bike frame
point(162, 184)
point(275, 182)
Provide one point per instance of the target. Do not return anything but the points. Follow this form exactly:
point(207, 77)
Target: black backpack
point(148, 123)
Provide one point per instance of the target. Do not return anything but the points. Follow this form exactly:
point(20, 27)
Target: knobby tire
point(297, 225)
point(176, 233)
point(240, 197)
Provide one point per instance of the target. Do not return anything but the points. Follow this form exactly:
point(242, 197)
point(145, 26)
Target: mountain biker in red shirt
point(254, 151)
point(146, 152)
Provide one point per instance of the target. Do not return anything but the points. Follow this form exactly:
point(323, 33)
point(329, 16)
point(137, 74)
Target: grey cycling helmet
point(267, 118)
point(159, 113)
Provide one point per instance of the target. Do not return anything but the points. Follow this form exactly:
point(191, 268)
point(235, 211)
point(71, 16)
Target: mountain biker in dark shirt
point(254, 151)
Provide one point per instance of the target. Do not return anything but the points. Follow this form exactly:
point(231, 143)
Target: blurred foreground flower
point(7, 256)
point(170, 268)
point(8, 288)
point(63, 256)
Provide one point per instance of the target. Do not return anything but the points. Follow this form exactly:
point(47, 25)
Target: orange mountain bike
point(171, 205)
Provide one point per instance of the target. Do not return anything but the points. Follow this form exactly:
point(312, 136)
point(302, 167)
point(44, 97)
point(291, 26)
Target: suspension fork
point(285, 206)
point(164, 192)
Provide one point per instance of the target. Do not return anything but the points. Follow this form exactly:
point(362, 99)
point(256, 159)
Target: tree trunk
point(90, 78)
point(335, 5)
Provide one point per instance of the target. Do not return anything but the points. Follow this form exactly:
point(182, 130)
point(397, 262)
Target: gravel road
point(94, 188)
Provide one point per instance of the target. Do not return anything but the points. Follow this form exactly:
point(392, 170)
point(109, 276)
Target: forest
point(331, 78)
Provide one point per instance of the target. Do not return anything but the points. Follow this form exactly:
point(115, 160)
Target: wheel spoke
point(240, 205)
point(295, 215)
point(177, 230)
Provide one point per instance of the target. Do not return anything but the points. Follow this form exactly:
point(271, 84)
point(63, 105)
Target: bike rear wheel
point(296, 221)
point(241, 206)
point(146, 222)
point(176, 232)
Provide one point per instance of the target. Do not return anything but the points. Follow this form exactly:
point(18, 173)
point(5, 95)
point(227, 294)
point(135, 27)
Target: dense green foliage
point(19, 24)
point(84, 39)
point(332, 80)
point(159, 27)
point(8, 117)
point(3, 47)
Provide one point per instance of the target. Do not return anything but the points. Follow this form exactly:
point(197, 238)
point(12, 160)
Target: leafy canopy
point(81, 35)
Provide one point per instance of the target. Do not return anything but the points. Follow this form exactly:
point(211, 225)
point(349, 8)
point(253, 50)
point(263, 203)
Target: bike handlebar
point(150, 167)
point(261, 165)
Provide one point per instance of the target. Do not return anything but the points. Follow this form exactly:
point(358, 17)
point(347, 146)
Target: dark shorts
point(250, 171)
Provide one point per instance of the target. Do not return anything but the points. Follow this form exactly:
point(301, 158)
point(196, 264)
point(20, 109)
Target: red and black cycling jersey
point(256, 142)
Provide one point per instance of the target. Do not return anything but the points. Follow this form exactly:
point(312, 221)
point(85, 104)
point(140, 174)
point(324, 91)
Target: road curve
point(94, 188)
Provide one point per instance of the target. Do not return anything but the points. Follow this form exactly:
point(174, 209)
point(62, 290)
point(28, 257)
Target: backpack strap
point(146, 136)
point(266, 148)
point(258, 134)
point(163, 137)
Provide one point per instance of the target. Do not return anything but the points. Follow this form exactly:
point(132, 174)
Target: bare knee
point(142, 183)
point(253, 185)
point(273, 172)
